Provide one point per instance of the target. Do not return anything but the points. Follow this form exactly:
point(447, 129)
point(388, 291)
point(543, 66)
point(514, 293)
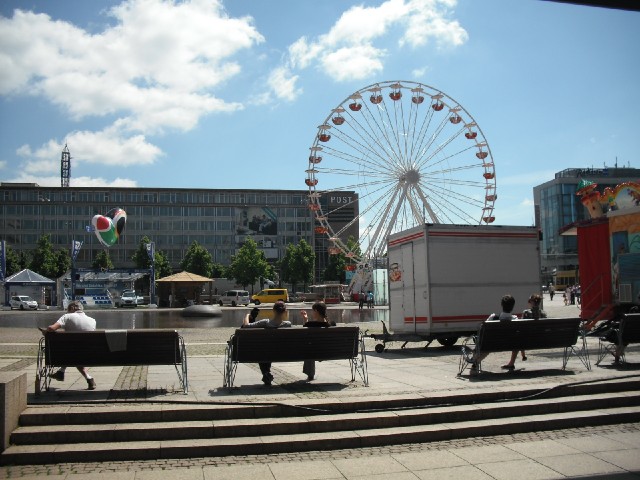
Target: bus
point(565, 278)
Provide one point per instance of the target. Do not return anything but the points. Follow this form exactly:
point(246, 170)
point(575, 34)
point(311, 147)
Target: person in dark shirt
point(318, 319)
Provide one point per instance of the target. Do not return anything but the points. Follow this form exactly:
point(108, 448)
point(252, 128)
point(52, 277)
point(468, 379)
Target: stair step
point(131, 412)
point(265, 444)
point(129, 430)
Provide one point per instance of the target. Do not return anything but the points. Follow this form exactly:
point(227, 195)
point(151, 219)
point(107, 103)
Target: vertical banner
point(151, 251)
point(3, 260)
point(76, 245)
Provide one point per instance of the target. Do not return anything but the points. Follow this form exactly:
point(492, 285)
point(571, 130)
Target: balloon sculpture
point(109, 227)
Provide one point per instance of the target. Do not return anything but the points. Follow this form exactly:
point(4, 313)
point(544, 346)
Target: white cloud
point(348, 51)
point(283, 84)
point(106, 147)
point(3, 164)
point(419, 72)
point(427, 20)
point(54, 181)
point(147, 68)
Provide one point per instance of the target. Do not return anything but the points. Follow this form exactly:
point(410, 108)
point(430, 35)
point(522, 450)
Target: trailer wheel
point(379, 348)
point(447, 341)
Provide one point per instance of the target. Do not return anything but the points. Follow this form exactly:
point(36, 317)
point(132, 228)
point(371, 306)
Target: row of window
point(133, 197)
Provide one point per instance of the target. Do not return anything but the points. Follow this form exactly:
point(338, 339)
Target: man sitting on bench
point(278, 321)
point(507, 302)
point(75, 320)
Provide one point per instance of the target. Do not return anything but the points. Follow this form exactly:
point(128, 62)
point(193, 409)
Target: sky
point(230, 94)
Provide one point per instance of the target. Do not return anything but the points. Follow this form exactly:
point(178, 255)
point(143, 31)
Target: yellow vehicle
point(270, 295)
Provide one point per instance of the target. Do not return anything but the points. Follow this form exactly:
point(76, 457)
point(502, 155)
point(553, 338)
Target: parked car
point(23, 302)
point(128, 298)
point(234, 298)
point(270, 295)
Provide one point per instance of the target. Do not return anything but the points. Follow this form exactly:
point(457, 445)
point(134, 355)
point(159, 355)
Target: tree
point(219, 271)
point(334, 270)
point(12, 262)
point(197, 260)
point(297, 264)
point(249, 264)
point(162, 265)
point(63, 261)
point(102, 261)
point(141, 259)
point(45, 260)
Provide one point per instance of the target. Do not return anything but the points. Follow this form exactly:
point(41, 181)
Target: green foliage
point(219, 271)
point(249, 264)
point(13, 262)
point(63, 262)
point(102, 261)
point(140, 257)
point(162, 265)
point(197, 260)
point(45, 260)
point(297, 264)
point(335, 268)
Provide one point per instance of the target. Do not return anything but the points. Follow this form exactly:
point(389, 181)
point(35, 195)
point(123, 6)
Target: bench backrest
point(630, 328)
point(294, 344)
point(91, 349)
point(528, 334)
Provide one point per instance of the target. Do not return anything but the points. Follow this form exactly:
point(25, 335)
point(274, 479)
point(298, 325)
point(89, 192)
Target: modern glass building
point(219, 220)
point(557, 205)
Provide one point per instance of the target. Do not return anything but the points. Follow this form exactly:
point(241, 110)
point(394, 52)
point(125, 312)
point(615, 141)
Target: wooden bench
point(110, 348)
point(295, 344)
point(627, 332)
point(542, 334)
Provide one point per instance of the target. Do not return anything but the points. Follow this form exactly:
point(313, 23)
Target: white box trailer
point(444, 280)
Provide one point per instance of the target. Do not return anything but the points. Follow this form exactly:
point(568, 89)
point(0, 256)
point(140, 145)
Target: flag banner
point(151, 251)
point(76, 245)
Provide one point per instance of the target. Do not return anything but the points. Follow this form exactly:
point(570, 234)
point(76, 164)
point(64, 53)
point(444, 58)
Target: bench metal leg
point(229, 368)
point(359, 364)
point(43, 371)
point(467, 355)
point(605, 347)
point(183, 371)
point(582, 353)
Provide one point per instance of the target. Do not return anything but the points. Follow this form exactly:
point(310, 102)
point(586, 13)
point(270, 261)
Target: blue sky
point(230, 94)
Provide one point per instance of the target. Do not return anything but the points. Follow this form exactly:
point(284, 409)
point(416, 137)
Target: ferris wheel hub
point(411, 176)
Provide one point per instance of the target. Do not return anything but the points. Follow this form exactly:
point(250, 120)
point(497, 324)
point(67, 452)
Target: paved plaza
point(610, 451)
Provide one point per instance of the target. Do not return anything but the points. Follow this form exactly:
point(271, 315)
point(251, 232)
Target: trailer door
point(402, 288)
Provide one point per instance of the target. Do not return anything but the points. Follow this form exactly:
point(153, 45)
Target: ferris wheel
point(410, 153)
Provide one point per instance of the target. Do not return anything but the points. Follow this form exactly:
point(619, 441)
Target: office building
point(557, 205)
point(173, 218)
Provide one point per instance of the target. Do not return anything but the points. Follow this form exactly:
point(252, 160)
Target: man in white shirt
point(75, 320)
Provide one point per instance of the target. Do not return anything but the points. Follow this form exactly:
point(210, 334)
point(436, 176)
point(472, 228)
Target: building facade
point(557, 205)
point(219, 220)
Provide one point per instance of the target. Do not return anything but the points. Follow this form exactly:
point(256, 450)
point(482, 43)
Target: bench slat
point(90, 349)
point(529, 334)
point(294, 344)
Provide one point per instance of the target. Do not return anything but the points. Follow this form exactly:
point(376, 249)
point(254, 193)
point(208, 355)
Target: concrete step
point(296, 442)
point(113, 432)
point(391, 418)
point(130, 412)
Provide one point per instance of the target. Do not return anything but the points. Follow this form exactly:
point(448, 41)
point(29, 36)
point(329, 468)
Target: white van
point(234, 298)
